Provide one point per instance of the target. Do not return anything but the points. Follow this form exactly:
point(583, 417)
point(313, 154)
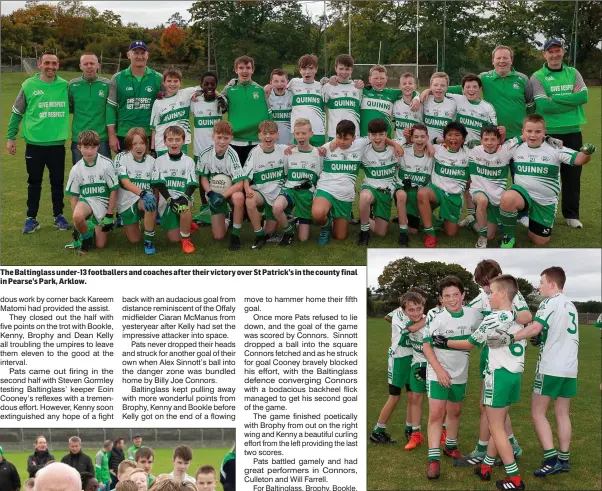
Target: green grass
point(391, 467)
point(162, 465)
point(45, 247)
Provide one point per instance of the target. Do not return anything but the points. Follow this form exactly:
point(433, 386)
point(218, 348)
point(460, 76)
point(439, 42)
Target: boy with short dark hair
point(342, 99)
point(280, 102)
point(145, 458)
point(182, 456)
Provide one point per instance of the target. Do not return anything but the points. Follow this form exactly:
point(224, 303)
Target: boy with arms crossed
point(556, 372)
point(303, 170)
point(92, 188)
point(447, 371)
point(220, 158)
point(266, 168)
point(537, 182)
point(175, 179)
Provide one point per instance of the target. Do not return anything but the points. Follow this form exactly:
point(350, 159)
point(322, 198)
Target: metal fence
point(22, 439)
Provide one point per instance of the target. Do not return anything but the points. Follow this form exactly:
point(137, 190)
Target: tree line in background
point(277, 32)
point(400, 275)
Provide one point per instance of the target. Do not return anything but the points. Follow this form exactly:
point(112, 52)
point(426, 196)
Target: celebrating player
point(280, 103)
point(405, 112)
point(438, 110)
point(343, 98)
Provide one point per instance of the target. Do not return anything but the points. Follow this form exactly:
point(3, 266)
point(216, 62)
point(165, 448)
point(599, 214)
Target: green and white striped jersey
point(308, 103)
point(416, 168)
point(267, 171)
point(473, 115)
point(400, 342)
point(210, 164)
point(176, 174)
point(340, 169)
point(457, 326)
point(204, 114)
point(93, 184)
point(451, 169)
point(438, 114)
point(281, 107)
point(380, 167)
point(139, 172)
point(489, 171)
point(512, 357)
point(172, 110)
point(560, 339)
point(481, 303)
point(303, 167)
point(343, 102)
point(377, 104)
point(537, 170)
point(405, 118)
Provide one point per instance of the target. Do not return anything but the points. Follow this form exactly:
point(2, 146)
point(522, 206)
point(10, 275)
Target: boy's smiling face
point(208, 86)
point(268, 140)
point(452, 298)
point(221, 142)
point(174, 146)
point(343, 72)
point(138, 147)
point(308, 73)
point(244, 71)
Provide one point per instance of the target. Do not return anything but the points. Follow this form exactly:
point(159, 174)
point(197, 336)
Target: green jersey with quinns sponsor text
point(415, 168)
point(377, 104)
point(537, 170)
point(139, 173)
point(437, 114)
point(281, 107)
point(473, 115)
point(379, 167)
point(172, 110)
point(404, 118)
point(343, 102)
point(451, 169)
point(303, 168)
point(308, 103)
point(93, 184)
point(131, 99)
point(267, 171)
point(205, 114)
point(176, 173)
point(88, 103)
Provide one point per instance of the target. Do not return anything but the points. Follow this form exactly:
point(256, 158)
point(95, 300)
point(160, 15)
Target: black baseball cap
point(138, 44)
point(551, 42)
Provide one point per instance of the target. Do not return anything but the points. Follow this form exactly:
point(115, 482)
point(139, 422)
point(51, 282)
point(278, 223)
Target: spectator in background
point(560, 93)
point(103, 474)
point(9, 477)
point(115, 459)
point(131, 453)
point(89, 482)
point(40, 456)
point(58, 477)
point(228, 470)
point(76, 458)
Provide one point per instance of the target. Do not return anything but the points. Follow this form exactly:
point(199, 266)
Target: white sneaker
point(481, 243)
point(524, 221)
point(574, 223)
point(466, 221)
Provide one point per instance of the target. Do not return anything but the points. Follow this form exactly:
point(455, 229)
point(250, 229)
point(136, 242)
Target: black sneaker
point(404, 240)
point(86, 245)
point(508, 485)
point(408, 434)
point(234, 243)
point(259, 242)
point(287, 239)
point(364, 238)
point(381, 438)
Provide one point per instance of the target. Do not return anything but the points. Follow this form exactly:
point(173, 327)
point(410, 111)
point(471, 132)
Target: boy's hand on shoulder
point(359, 84)
point(407, 134)
point(231, 82)
point(322, 151)
point(324, 80)
point(267, 90)
point(333, 80)
point(398, 149)
point(289, 150)
point(425, 95)
point(333, 145)
point(430, 149)
point(415, 104)
point(222, 104)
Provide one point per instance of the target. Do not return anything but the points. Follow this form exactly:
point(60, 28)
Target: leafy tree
point(172, 43)
point(525, 287)
point(178, 20)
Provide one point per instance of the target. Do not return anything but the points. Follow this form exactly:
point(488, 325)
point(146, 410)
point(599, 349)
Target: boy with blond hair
point(407, 111)
point(438, 110)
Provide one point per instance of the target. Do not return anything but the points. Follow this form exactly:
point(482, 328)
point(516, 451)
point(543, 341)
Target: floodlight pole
point(444, 22)
point(380, 45)
point(349, 21)
point(325, 28)
point(417, 12)
point(576, 23)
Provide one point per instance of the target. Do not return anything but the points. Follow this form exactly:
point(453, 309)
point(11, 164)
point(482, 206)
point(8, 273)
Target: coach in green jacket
point(43, 106)
point(560, 93)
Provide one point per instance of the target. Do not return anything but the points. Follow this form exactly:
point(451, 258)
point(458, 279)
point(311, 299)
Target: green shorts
point(169, 219)
point(382, 202)
point(416, 385)
point(548, 385)
point(455, 393)
point(339, 209)
point(450, 204)
point(502, 388)
point(300, 200)
point(222, 209)
point(184, 151)
point(542, 214)
point(268, 213)
point(399, 370)
point(483, 361)
point(493, 212)
point(132, 215)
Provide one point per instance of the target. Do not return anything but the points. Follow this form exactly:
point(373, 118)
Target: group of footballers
point(430, 354)
point(445, 150)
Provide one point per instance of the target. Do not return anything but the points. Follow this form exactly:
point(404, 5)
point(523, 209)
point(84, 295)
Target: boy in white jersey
point(448, 182)
point(135, 198)
point(414, 172)
point(556, 372)
point(404, 320)
point(303, 170)
point(220, 158)
point(280, 102)
point(175, 180)
point(447, 370)
point(486, 271)
point(92, 188)
point(342, 98)
point(266, 168)
point(407, 111)
point(182, 456)
point(380, 165)
point(537, 182)
point(172, 110)
point(437, 109)
point(502, 378)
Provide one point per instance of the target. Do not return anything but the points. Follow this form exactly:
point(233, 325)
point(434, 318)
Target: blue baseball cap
point(551, 42)
point(138, 44)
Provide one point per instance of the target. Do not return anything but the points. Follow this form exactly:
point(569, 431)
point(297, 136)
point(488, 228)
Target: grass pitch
point(391, 467)
point(45, 247)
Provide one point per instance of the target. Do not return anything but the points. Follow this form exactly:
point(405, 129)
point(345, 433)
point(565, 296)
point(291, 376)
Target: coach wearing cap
point(560, 93)
point(131, 96)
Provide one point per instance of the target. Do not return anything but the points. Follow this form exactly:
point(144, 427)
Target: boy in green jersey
point(537, 182)
point(377, 100)
point(101, 466)
point(92, 187)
